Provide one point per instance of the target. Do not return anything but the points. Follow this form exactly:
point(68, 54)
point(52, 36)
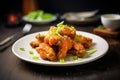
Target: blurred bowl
point(111, 21)
point(83, 17)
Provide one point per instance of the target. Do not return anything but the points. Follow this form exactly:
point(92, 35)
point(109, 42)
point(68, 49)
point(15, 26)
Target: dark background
point(61, 6)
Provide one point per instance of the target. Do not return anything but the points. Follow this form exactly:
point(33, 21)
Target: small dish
point(111, 21)
point(83, 21)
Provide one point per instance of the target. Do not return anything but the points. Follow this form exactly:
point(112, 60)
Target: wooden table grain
point(105, 68)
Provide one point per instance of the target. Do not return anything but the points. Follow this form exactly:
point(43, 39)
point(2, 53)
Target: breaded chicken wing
point(69, 31)
point(59, 41)
point(39, 39)
point(66, 44)
point(34, 43)
point(86, 42)
point(46, 52)
point(79, 49)
point(51, 38)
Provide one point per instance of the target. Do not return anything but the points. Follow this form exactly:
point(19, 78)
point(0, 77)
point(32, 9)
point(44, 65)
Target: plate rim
point(50, 63)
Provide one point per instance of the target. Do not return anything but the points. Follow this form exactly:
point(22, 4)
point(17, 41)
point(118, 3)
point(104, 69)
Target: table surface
point(105, 68)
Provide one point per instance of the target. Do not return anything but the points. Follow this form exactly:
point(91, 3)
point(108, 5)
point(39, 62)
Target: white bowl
point(111, 21)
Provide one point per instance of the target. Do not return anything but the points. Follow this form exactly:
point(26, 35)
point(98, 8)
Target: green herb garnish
point(35, 57)
point(62, 60)
point(77, 39)
point(91, 51)
point(72, 27)
point(42, 35)
point(79, 59)
point(101, 27)
point(22, 49)
point(59, 26)
point(75, 57)
point(31, 52)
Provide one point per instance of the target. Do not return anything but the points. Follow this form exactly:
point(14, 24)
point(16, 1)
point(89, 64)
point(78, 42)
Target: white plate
point(39, 22)
point(99, 43)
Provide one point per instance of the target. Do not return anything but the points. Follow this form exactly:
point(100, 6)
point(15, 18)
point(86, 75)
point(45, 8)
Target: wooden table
point(105, 68)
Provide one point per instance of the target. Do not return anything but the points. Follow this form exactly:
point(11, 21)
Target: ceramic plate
point(39, 22)
point(98, 43)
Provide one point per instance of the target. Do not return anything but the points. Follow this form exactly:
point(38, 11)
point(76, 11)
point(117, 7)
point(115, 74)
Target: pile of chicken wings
point(59, 41)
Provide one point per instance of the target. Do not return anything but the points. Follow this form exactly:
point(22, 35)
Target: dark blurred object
point(63, 6)
point(29, 5)
point(60, 6)
point(85, 17)
point(13, 20)
point(104, 32)
point(9, 6)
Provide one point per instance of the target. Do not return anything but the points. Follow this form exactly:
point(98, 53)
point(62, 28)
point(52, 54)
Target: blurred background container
point(29, 5)
point(58, 6)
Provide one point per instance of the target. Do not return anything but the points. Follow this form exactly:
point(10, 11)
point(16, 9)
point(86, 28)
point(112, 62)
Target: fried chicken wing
point(79, 49)
point(59, 41)
point(51, 38)
point(34, 43)
point(66, 44)
point(39, 39)
point(86, 42)
point(46, 52)
point(69, 31)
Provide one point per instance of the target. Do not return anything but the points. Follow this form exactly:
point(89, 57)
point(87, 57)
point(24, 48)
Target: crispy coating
point(39, 39)
point(86, 42)
point(69, 31)
point(66, 44)
point(34, 43)
point(79, 49)
point(51, 38)
point(60, 41)
point(46, 52)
